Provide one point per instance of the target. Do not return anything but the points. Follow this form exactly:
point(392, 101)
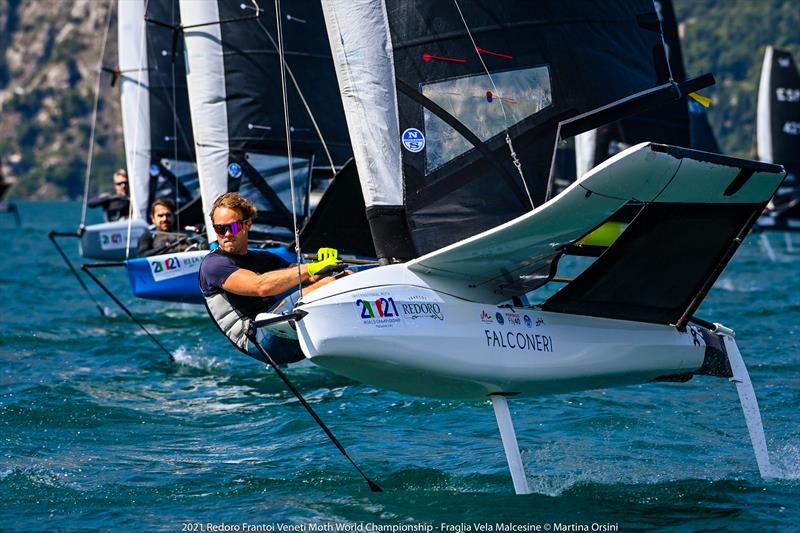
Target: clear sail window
point(476, 104)
point(188, 186)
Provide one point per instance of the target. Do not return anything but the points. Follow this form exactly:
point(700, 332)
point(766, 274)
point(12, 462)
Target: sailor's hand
point(325, 253)
point(326, 267)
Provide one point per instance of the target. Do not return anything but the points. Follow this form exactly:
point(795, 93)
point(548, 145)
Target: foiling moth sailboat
point(454, 111)
point(778, 136)
point(156, 125)
point(159, 150)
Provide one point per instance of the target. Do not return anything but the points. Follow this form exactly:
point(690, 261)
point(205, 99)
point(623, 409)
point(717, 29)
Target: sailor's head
point(121, 182)
point(232, 216)
point(163, 214)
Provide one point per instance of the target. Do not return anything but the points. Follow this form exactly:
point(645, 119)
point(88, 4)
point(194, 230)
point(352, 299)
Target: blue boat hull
point(173, 277)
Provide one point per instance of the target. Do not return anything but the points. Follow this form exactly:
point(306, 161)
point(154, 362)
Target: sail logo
point(164, 268)
point(235, 170)
point(528, 321)
point(486, 318)
point(381, 312)
point(787, 95)
point(499, 318)
point(413, 140)
point(792, 128)
point(513, 319)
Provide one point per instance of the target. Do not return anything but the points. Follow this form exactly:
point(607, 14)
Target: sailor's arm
point(248, 283)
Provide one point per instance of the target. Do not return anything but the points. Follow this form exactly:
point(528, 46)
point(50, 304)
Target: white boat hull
point(110, 241)
point(418, 341)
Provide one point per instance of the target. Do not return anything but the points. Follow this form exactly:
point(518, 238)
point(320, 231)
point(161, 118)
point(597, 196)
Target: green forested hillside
point(728, 39)
point(49, 54)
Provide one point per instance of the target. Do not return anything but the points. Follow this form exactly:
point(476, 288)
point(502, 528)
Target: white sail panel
point(764, 112)
point(362, 53)
point(135, 100)
point(205, 78)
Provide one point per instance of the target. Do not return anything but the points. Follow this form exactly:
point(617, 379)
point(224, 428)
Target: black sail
point(252, 142)
point(172, 169)
point(549, 61)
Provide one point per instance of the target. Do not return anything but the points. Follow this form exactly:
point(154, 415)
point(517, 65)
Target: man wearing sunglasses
point(238, 283)
point(115, 205)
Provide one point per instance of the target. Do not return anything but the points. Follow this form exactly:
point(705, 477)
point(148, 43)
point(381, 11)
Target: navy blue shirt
point(217, 267)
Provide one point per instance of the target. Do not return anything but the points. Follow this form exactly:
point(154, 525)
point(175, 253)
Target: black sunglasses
point(234, 227)
point(121, 183)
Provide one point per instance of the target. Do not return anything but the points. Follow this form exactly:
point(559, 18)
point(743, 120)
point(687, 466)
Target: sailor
point(116, 205)
point(238, 283)
point(162, 238)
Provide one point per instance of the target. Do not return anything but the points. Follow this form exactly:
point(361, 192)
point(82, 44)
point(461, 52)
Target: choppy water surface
point(99, 431)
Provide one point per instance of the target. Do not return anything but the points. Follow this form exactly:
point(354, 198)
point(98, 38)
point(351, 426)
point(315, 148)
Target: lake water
point(100, 431)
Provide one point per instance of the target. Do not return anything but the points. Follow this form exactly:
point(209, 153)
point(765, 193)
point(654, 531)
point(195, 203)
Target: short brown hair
point(166, 202)
point(237, 202)
point(121, 172)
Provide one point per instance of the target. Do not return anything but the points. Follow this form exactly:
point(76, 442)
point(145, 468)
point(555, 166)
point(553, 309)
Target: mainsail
point(778, 125)
point(237, 106)
point(679, 123)
point(155, 108)
point(474, 93)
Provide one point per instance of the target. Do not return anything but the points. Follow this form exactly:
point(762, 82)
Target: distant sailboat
point(778, 135)
point(454, 111)
point(156, 125)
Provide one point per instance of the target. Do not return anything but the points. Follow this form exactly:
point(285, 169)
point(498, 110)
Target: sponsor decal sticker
point(486, 318)
point(413, 140)
point(418, 310)
point(380, 312)
point(514, 340)
point(539, 321)
point(499, 317)
point(528, 321)
point(513, 319)
point(116, 240)
point(164, 268)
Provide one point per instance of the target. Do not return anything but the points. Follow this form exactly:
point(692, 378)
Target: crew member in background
point(116, 205)
point(162, 237)
point(239, 283)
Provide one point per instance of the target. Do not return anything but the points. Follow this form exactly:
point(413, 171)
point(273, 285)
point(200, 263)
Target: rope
point(94, 116)
point(513, 153)
point(288, 144)
point(300, 93)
